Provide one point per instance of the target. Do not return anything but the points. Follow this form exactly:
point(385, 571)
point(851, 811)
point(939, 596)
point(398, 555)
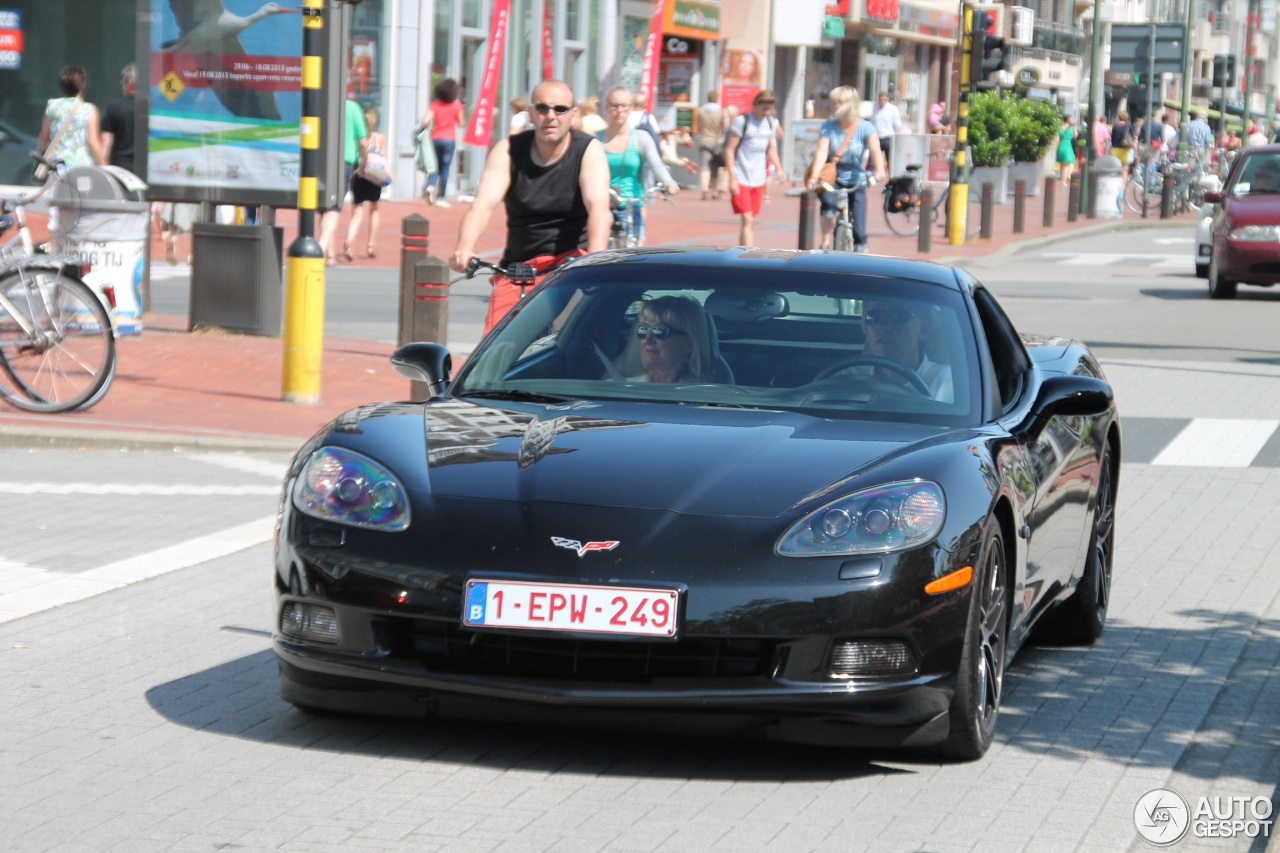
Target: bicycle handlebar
point(515, 272)
point(56, 170)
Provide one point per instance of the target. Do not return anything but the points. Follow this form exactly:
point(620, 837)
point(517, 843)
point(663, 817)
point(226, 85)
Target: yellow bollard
point(303, 322)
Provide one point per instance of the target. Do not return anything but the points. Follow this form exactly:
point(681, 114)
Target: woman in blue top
point(629, 152)
point(850, 169)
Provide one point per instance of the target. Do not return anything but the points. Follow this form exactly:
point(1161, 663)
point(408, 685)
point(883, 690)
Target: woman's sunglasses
point(660, 331)
point(543, 109)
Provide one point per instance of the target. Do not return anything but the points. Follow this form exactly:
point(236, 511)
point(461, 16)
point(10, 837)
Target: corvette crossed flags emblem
point(583, 549)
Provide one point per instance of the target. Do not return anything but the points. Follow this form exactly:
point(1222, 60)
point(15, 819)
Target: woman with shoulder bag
point(843, 144)
point(373, 174)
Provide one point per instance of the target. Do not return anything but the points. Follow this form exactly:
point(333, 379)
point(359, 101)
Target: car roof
point(782, 260)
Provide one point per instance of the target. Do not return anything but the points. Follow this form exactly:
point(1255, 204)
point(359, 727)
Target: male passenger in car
point(898, 329)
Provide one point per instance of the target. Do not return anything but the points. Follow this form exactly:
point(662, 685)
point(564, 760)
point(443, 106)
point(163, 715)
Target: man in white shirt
point(888, 121)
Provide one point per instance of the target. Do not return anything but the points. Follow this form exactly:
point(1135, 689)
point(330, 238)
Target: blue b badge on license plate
point(476, 595)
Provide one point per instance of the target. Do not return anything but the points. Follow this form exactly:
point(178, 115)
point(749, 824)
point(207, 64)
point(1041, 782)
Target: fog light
point(851, 658)
point(309, 621)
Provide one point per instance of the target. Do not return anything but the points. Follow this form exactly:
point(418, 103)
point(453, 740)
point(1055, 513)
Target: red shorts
point(748, 200)
point(506, 295)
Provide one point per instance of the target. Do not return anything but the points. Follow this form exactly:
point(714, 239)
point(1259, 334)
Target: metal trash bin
point(99, 215)
point(236, 279)
point(1108, 203)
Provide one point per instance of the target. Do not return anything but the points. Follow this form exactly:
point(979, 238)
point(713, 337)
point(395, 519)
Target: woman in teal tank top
point(629, 152)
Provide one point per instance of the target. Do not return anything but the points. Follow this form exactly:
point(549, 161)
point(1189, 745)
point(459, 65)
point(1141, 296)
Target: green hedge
point(1005, 126)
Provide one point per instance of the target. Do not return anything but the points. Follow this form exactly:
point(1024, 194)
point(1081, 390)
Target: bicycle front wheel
point(60, 352)
point(843, 238)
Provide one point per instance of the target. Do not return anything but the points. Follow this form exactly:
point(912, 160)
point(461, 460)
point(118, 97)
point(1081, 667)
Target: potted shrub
point(990, 117)
point(1032, 132)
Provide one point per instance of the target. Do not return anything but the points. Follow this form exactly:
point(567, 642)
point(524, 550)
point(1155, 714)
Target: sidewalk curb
point(1032, 243)
point(69, 438)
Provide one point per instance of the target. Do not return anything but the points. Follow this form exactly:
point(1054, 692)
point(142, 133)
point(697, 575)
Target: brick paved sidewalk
point(173, 386)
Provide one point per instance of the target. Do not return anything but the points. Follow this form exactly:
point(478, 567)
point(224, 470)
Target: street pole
point(1184, 151)
point(1095, 68)
point(304, 270)
point(958, 199)
point(1247, 115)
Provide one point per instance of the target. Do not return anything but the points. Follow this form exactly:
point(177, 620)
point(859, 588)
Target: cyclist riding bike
point(846, 141)
point(554, 182)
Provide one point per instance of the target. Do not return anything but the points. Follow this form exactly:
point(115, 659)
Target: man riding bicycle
point(554, 182)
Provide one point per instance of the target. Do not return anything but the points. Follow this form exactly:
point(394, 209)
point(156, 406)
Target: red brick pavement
point(222, 388)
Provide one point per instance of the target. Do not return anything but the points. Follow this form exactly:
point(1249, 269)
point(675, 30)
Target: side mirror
point(424, 362)
point(1213, 197)
point(1067, 396)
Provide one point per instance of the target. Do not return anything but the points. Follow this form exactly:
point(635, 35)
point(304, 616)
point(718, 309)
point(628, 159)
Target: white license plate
point(625, 610)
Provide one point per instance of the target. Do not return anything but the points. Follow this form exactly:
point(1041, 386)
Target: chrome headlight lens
point(1256, 234)
point(345, 487)
point(892, 517)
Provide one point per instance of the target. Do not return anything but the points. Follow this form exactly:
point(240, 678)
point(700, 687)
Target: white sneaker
point(443, 203)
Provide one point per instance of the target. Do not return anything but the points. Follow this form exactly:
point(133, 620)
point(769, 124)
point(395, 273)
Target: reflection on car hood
point(1254, 210)
point(695, 460)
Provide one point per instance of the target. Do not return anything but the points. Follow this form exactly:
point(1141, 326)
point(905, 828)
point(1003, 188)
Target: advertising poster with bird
point(225, 99)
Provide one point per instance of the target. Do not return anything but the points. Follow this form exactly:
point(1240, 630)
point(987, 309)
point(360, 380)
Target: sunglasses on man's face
point(887, 316)
point(543, 109)
point(659, 331)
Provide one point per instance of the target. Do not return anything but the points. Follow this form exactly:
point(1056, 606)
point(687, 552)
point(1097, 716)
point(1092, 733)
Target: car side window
point(1008, 356)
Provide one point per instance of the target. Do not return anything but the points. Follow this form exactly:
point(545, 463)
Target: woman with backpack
point(370, 177)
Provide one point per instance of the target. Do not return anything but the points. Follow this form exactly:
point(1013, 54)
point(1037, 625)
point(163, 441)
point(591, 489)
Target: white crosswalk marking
point(34, 590)
point(1217, 442)
point(244, 464)
point(134, 489)
point(1092, 260)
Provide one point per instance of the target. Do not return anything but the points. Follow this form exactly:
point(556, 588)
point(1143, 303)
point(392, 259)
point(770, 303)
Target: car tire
point(1080, 619)
point(1220, 287)
point(976, 704)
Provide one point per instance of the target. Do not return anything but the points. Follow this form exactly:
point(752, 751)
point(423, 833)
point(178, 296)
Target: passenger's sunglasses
point(660, 331)
point(543, 109)
point(888, 316)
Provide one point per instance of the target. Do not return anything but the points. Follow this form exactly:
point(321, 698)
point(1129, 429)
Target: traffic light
point(988, 54)
point(1224, 70)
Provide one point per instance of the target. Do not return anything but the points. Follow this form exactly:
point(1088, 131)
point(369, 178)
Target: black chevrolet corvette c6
point(813, 497)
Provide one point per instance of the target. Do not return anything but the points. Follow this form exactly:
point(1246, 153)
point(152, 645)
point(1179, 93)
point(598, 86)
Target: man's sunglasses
point(660, 331)
point(888, 316)
point(543, 109)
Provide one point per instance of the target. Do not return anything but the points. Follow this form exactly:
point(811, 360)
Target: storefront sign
point(927, 16)
point(697, 19)
point(649, 72)
point(886, 11)
point(480, 128)
point(833, 27)
point(226, 104)
point(1028, 77)
point(10, 39)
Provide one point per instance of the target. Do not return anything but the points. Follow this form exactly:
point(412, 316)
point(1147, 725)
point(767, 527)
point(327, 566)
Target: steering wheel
point(913, 378)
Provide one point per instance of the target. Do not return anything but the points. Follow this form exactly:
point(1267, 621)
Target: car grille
point(445, 647)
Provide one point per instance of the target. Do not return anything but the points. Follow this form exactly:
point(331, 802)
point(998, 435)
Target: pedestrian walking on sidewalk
point(445, 113)
point(366, 186)
point(752, 144)
point(845, 140)
point(554, 182)
point(1066, 150)
point(70, 129)
point(888, 121)
point(712, 124)
point(354, 130)
point(117, 124)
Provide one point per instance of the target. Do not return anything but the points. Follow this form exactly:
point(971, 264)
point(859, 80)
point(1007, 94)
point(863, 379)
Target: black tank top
point(545, 211)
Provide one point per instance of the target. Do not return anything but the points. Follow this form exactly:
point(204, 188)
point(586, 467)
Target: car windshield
point(835, 345)
point(1259, 175)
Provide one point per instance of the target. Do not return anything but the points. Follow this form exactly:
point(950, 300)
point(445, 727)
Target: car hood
point(693, 460)
point(1253, 210)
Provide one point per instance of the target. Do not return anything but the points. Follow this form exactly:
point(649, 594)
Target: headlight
point(348, 488)
point(892, 517)
point(1256, 233)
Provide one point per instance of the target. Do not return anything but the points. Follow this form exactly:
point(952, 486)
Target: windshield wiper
point(515, 394)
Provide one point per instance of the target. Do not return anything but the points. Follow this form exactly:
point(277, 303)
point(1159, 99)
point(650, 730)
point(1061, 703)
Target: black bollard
point(925, 237)
point(414, 234)
point(429, 314)
point(988, 211)
point(1073, 198)
point(1019, 206)
point(1166, 197)
point(1091, 207)
point(808, 219)
point(1050, 187)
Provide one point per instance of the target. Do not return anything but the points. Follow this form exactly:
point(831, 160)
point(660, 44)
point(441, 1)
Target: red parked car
point(1246, 228)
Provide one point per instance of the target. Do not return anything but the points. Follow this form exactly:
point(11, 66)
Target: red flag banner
point(480, 128)
point(649, 76)
point(548, 60)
